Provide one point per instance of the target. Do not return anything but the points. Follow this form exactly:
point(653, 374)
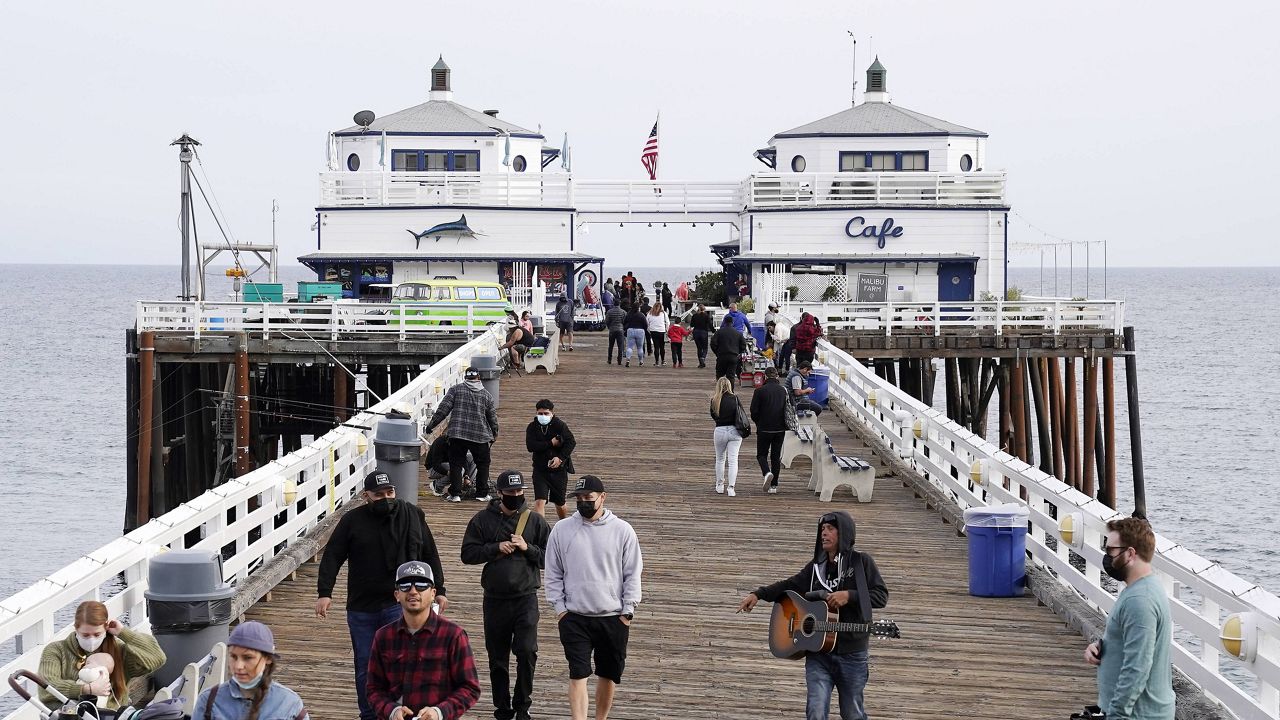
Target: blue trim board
point(897, 134)
point(863, 260)
point(444, 207)
point(402, 133)
point(897, 159)
point(847, 208)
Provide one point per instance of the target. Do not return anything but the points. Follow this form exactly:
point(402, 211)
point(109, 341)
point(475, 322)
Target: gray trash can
point(189, 605)
point(397, 448)
point(487, 366)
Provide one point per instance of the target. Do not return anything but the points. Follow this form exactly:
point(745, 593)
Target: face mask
point(543, 419)
point(513, 502)
point(1117, 572)
point(587, 508)
point(251, 684)
point(383, 507)
point(90, 644)
point(475, 385)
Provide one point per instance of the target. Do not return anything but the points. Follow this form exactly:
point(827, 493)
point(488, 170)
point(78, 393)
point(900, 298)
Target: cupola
point(440, 87)
point(877, 83)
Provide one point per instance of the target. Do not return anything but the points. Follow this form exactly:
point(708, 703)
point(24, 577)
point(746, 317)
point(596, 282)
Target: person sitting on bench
point(798, 385)
point(519, 340)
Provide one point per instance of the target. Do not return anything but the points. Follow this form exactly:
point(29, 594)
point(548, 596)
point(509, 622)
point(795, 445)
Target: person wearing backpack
point(251, 694)
point(727, 438)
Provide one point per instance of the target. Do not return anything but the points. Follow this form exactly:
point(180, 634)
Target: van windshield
point(408, 292)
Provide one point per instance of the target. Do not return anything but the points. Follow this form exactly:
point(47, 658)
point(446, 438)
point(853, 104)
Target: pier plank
point(646, 432)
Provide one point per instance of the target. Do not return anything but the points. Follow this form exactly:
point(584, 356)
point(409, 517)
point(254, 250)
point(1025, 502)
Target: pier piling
point(1109, 424)
point(1135, 423)
point(146, 382)
point(1090, 424)
point(244, 456)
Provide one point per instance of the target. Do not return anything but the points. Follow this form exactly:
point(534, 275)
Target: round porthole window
point(797, 163)
point(353, 162)
point(955, 279)
point(519, 163)
point(966, 163)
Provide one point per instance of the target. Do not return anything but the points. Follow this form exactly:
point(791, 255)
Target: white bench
point(548, 358)
point(801, 442)
point(832, 470)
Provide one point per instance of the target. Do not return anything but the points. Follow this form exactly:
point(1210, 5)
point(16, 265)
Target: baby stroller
point(81, 709)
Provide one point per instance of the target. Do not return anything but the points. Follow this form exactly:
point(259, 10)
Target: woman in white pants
point(724, 410)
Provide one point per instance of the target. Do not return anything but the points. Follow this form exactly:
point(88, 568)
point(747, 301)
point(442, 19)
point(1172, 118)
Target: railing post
point(1057, 317)
point(937, 189)
point(937, 319)
point(886, 315)
point(999, 318)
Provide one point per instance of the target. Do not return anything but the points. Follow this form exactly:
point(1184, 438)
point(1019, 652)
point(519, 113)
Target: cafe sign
point(857, 227)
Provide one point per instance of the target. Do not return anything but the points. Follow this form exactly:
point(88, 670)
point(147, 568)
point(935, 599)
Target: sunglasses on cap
point(419, 585)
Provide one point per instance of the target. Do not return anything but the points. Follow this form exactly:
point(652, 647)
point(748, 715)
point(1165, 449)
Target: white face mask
point(90, 644)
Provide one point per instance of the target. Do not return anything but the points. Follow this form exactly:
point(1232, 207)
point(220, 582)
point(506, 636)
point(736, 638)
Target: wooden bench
point(831, 470)
point(547, 358)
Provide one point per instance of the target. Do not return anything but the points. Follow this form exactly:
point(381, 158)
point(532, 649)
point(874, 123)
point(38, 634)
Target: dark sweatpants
point(769, 452)
point(619, 337)
point(727, 366)
point(677, 353)
point(457, 464)
point(700, 338)
point(659, 340)
point(511, 627)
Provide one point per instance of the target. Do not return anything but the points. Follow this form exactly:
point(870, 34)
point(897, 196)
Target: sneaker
point(768, 480)
point(719, 488)
point(454, 498)
point(628, 363)
point(485, 498)
point(729, 491)
point(641, 363)
point(610, 361)
point(570, 348)
point(773, 490)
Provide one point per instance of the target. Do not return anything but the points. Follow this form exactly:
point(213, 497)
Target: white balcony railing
point(325, 320)
point(994, 316)
point(684, 197)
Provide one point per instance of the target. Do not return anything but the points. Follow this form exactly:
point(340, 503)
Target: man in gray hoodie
point(593, 567)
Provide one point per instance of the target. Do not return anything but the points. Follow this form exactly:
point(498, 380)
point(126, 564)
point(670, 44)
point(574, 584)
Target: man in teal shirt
point(1135, 678)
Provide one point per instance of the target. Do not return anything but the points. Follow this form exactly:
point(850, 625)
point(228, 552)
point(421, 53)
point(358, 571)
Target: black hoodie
point(505, 576)
point(373, 547)
point(840, 575)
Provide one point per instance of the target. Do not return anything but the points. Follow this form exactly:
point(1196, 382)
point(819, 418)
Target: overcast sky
point(1153, 126)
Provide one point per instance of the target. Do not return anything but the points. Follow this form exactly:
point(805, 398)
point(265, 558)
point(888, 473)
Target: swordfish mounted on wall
point(456, 229)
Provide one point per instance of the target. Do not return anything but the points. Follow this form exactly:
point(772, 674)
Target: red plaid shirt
point(430, 668)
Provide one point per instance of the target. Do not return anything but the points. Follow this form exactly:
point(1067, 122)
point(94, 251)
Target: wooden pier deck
point(646, 433)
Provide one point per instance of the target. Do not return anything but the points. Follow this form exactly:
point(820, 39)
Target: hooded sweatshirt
point(373, 547)
point(823, 573)
point(505, 576)
point(593, 566)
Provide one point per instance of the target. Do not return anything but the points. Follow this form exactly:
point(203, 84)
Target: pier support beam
point(244, 454)
point(1055, 419)
point(1090, 424)
point(340, 392)
point(1071, 439)
point(1036, 371)
point(1135, 423)
point(146, 382)
point(1109, 430)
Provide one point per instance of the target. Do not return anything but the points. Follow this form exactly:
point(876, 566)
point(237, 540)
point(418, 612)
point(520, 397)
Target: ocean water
point(1210, 403)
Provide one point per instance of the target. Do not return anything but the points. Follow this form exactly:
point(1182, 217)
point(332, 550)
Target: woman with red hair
point(136, 654)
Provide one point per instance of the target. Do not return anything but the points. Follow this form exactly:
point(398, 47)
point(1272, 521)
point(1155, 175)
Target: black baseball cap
point(471, 374)
point(377, 480)
point(509, 480)
point(588, 484)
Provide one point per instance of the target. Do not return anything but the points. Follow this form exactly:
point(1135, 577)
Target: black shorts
point(605, 638)
point(550, 486)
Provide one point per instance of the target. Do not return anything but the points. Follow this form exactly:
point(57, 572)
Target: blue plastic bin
point(997, 550)
point(757, 332)
point(819, 380)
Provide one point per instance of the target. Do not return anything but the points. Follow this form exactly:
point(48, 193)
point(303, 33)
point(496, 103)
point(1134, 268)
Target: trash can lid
point(186, 575)
point(1006, 515)
point(396, 431)
point(484, 362)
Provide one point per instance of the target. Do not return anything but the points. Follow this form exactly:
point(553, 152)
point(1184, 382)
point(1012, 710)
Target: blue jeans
point(846, 673)
point(362, 626)
point(635, 340)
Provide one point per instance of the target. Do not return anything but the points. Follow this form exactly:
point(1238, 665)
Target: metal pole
point(185, 143)
point(1135, 424)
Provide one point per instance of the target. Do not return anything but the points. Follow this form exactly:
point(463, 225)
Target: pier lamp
point(843, 374)
point(290, 491)
point(1071, 529)
point(978, 471)
point(1239, 636)
point(919, 427)
point(362, 444)
point(871, 397)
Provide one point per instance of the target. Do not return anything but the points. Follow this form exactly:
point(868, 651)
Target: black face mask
point(1109, 567)
point(383, 507)
point(513, 502)
point(587, 508)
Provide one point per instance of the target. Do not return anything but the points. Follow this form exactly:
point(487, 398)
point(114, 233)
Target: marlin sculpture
point(457, 228)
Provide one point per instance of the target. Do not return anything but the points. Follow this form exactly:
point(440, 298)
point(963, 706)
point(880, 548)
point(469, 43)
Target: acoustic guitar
point(800, 626)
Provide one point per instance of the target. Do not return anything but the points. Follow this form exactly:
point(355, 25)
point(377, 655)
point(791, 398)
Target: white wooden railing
point(973, 472)
point(318, 320)
point(998, 316)
point(782, 190)
point(686, 197)
point(303, 487)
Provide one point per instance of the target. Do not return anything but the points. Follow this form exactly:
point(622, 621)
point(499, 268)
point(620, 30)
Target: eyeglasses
point(419, 586)
point(1121, 548)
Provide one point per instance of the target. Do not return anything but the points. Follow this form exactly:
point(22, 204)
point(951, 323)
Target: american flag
point(649, 157)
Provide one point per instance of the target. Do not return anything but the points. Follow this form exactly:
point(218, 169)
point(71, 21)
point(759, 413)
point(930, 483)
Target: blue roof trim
point(939, 133)
point(445, 207)
point(847, 208)
point(323, 260)
point(405, 133)
point(860, 260)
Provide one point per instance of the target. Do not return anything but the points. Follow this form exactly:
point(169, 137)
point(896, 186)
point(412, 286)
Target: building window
point(966, 163)
point(353, 162)
point(883, 161)
point(797, 163)
point(435, 160)
point(519, 163)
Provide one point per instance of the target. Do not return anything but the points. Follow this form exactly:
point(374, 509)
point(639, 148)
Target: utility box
point(189, 606)
point(397, 448)
point(312, 291)
point(264, 292)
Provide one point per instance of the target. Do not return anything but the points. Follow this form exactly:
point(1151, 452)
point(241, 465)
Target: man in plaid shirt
point(421, 665)
point(473, 425)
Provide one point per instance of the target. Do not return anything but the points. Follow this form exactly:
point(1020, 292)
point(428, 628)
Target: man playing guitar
point(852, 586)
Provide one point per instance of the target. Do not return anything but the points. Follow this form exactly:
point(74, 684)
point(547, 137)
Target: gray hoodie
point(593, 567)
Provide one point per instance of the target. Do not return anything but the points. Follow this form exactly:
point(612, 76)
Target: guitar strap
point(524, 520)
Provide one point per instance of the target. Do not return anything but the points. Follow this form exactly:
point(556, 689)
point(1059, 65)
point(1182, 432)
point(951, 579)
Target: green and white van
point(448, 302)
